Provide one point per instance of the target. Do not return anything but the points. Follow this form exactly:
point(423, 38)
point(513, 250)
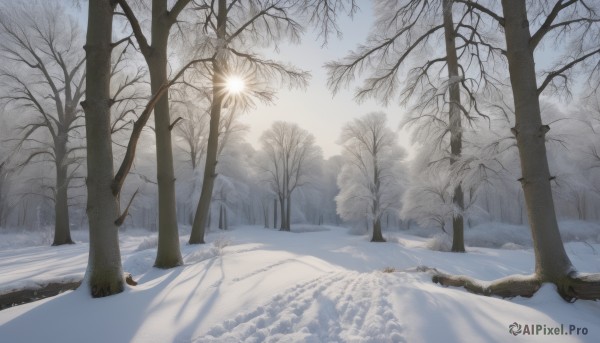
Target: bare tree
point(577, 23)
point(233, 24)
point(403, 38)
point(104, 275)
point(369, 176)
point(192, 131)
point(45, 75)
point(290, 154)
point(163, 20)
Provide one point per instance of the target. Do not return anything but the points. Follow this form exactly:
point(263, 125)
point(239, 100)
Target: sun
point(235, 84)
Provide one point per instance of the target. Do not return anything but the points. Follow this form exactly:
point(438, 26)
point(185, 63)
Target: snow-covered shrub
point(439, 242)
point(148, 243)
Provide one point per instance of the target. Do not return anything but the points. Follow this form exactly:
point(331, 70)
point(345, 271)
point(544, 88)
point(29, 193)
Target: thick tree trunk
point(218, 89)
point(458, 244)
point(551, 261)
point(375, 207)
point(168, 253)
point(377, 235)
point(62, 231)
point(104, 274)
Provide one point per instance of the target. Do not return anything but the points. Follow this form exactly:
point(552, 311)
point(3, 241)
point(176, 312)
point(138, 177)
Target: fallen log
point(23, 296)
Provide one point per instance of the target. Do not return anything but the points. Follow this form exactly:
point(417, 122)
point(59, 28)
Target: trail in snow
point(336, 307)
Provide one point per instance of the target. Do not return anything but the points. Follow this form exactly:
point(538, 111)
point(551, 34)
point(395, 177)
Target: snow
point(318, 284)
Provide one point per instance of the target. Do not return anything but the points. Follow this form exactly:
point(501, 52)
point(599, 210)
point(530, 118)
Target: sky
point(316, 109)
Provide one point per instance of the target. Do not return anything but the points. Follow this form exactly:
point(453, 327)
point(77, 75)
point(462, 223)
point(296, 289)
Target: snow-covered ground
point(319, 284)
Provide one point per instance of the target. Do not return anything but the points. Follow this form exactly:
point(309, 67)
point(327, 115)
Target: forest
point(139, 163)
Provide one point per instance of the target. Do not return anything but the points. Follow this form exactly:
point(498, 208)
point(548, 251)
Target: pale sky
point(315, 109)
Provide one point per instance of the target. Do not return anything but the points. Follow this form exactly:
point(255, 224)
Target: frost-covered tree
point(104, 274)
point(234, 30)
point(43, 75)
point(430, 55)
point(370, 179)
point(426, 199)
point(191, 131)
point(163, 20)
point(526, 25)
point(289, 159)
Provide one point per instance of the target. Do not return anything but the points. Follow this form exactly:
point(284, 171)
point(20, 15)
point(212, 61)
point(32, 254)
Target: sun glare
point(235, 84)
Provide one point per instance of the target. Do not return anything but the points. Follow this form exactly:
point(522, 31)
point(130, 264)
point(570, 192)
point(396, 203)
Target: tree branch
point(547, 25)
point(136, 28)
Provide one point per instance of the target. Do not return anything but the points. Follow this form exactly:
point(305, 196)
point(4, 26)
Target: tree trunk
point(209, 220)
point(199, 225)
point(288, 212)
point(221, 217)
point(551, 261)
point(62, 231)
point(275, 213)
point(375, 209)
point(104, 274)
point(282, 211)
point(265, 208)
point(168, 253)
point(458, 244)
point(225, 227)
point(377, 235)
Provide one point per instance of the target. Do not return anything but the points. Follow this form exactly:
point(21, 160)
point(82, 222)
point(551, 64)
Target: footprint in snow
point(339, 307)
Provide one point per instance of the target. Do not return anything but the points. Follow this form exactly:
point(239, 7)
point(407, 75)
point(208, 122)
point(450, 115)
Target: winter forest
point(299, 170)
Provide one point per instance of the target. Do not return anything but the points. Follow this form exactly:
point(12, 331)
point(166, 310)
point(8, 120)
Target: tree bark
point(551, 261)
point(199, 225)
point(377, 235)
point(104, 274)
point(221, 217)
point(288, 212)
point(275, 213)
point(458, 244)
point(168, 253)
point(265, 208)
point(282, 211)
point(62, 231)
